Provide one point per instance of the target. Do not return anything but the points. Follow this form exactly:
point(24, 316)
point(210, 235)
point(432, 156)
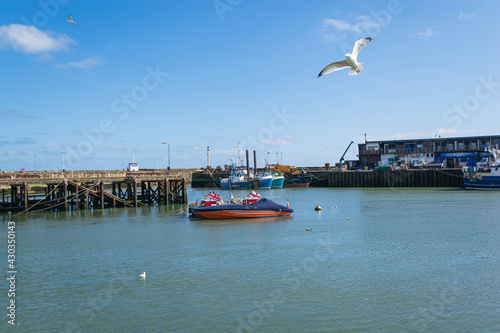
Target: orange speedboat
point(261, 208)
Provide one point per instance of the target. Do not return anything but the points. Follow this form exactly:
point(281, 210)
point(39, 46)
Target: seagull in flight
point(350, 61)
point(71, 20)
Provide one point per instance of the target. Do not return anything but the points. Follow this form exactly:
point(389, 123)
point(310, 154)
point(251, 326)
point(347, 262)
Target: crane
point(342, 158)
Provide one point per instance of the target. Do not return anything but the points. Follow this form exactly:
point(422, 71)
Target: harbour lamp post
point(63, 159)
point(166, 143)
point(34, 162)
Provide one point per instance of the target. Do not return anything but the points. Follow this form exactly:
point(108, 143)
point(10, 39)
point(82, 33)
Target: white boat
point(239, 179)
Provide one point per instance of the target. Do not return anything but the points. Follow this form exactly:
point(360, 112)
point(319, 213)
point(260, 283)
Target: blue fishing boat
point(278, 180)
point(483, 176)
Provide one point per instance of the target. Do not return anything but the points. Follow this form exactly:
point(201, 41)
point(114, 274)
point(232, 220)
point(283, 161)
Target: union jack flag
point(213, 195)
point(255, 195)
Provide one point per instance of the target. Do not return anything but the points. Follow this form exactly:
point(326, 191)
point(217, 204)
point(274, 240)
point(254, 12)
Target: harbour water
point(384, 260)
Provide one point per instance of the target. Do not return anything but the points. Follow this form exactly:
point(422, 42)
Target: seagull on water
point(350, 61)
point(71, 20)
point(143, 276)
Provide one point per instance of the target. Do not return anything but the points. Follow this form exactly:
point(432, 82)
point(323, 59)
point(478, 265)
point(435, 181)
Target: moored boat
point(483, 177)
point(278, 180)
point(262, 208)
point(239, 179)
point(301, 180)
point(293, 176)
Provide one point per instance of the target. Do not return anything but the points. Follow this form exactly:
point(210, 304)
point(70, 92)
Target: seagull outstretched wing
point(359, 45)
point(334, 66)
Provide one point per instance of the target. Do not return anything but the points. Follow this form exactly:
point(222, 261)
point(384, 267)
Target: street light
point(34, 162)
point(166, 143)
point(63, 159)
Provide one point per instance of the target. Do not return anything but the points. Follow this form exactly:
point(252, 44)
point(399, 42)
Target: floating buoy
point(318, 208)
point(308, 229)
point(348, 219)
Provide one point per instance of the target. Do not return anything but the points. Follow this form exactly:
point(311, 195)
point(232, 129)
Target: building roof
point(478, 137)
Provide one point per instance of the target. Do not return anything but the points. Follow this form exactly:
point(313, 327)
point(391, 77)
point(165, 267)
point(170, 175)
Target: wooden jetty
point(71, 190)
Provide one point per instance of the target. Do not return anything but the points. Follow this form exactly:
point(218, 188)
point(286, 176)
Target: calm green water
point(407, 260)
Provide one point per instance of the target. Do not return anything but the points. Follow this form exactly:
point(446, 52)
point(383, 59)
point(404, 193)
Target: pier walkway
point(23, 192)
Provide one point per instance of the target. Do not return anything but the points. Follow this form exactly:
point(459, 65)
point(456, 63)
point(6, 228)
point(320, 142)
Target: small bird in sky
point(71, 20)
point(350, 61)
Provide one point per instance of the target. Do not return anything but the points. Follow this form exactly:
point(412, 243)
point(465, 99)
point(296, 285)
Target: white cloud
point(425, 34)
point(465, 16)
point(333, 29)
point(86, 63)
point(29, 39)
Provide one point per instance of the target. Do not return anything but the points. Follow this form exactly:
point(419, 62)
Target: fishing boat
point(293, 176)
point(484, 176)
point(278, 180)
point(240, 179)
point(300, 180)
point(262, 208)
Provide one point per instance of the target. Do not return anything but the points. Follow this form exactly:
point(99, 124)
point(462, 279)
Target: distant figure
point(350, 61)
point(71, 20)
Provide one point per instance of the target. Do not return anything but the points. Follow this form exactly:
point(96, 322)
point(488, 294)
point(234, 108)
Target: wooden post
point(101, 189)
point(184, 192)
point(87, 199)
point(65, 194)
point(167, 191)
point(144, 192)
point(77, 197)
point(25, 185)
point(135, 193)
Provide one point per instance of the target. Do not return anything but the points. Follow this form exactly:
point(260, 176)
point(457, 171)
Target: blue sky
point(133, 74)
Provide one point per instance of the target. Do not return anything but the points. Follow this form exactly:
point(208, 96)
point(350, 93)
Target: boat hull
point(278, 182)
point(486, 183)
point(259, 209)
point(286, 185)
point(246, 185)
point(239, 214)
point(298, 181)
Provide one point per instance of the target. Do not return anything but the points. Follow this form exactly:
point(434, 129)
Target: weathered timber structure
point(49, 191)
point(389, 178)
point(362, 178)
